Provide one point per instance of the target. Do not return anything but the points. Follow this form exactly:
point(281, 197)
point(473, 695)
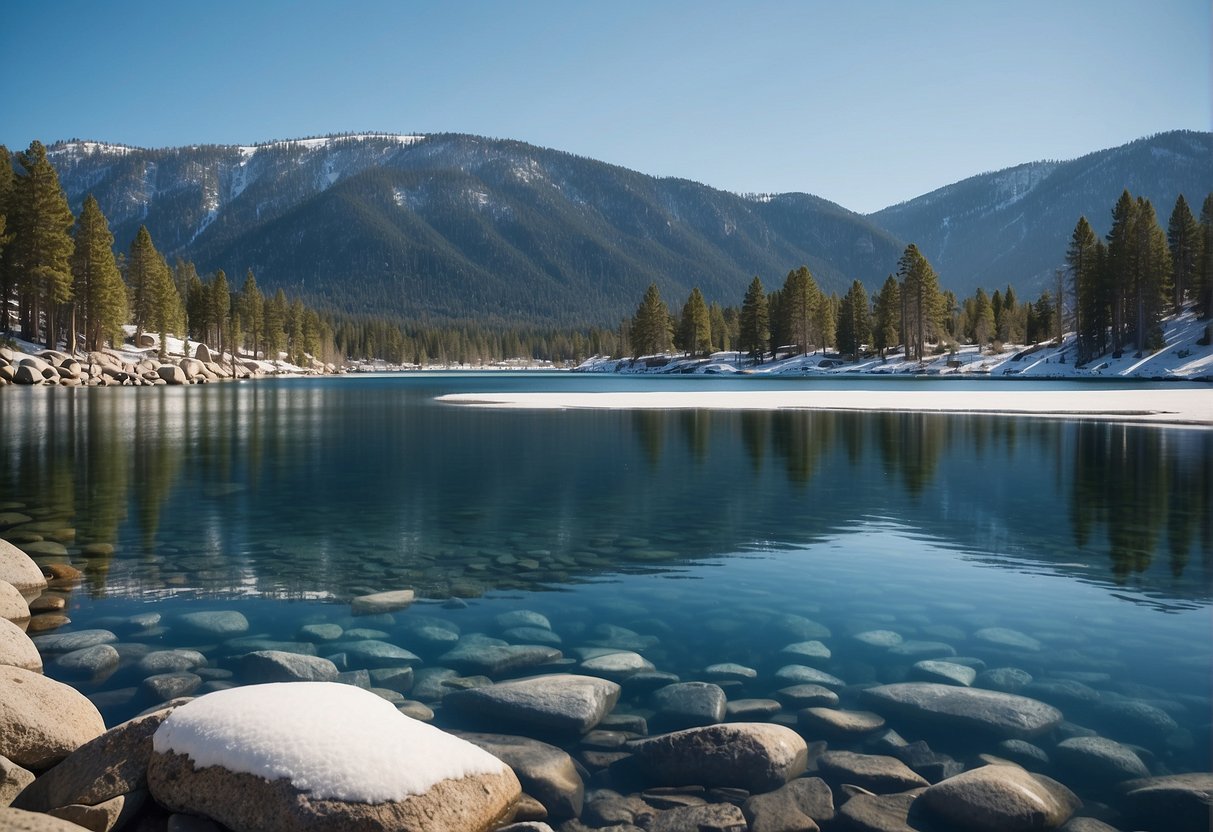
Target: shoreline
point(1184, 407)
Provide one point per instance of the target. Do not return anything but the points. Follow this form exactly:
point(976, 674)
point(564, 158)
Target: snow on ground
point(1181, 358)
point(303, 731)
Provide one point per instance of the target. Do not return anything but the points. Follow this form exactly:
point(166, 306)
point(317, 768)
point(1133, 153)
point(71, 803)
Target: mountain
point(451, 227)
point(1013, 226)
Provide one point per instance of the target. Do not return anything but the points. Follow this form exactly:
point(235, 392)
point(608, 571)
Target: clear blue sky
point(864, 103)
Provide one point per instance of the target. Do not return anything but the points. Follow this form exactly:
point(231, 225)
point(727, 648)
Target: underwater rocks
point(964, 709)
point(561, 703)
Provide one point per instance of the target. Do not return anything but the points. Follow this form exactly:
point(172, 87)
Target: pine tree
point(42, 247)
point(800, 301)
point(1150, 277)
point(166, 313)
point(197, 304)
point(252, 310)
point(275, 325)
point(854, 321)
point(7, 275)
point(920, 300)
point(754, 320)
point(984, 328)
point(1010, 326)
point(1183, 237)
point(651, 331)
point(716, 322)
point(1205, 298)
point(1090, 301)
point(695, 329)
point(220, 296)
point(825, 321)
point(100, 294)
point(1119, 272)
point(141, 266)
point(887, 314)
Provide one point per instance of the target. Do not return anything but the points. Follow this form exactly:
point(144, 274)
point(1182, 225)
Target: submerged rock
point(560, 703)
point(1099, 759)
point(1000, 798)
point(797, 807)
point(1175, 803)
point(1001, 714)
point(756, 756)
point(277, 666)
point(874, 772)
point(688, 705)
point(214, 623)
point(546, 772)
point(493, 657)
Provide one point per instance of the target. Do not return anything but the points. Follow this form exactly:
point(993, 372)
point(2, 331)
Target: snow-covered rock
point(323, 756)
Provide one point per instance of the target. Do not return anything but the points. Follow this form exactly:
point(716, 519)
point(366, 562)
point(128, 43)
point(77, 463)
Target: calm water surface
point(697, 532)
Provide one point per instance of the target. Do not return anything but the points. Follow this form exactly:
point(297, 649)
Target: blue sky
point(864, 103)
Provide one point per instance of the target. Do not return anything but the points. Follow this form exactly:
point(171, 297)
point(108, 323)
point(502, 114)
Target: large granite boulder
point(322, 756)
point(874, 772)
point(562, 703)
point(547, 773)
point(16, 650)
point(18, 569)
point(279, 666)
point(172, 374)
point(1175, 803)
point(797, 807)
point(109, 766)
point(13, 606)
point(755, 756)
point(41, 720)
point(688, 705)
point(999, 798)
point(13, 780)
point(377, 602)
point(988, 712)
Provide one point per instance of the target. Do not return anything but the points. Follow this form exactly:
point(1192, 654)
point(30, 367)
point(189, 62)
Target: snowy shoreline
point(1186, 406)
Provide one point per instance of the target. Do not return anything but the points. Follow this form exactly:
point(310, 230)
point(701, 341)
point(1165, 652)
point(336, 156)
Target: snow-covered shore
point(1183, 358)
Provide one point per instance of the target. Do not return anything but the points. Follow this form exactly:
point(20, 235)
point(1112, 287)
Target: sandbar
point(1180, 406)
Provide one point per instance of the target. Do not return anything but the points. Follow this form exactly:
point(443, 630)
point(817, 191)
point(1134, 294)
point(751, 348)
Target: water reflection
point(332, 486)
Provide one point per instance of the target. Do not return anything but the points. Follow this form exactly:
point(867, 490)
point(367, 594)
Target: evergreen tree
point(1010, 326)
point(1205, 299)
point(651, 331)
point(275, 325)
point(100, 294)
point(1183, 237)
point(716, 323)
point(996, 308)
point(220, 311)
point(1090, 300)
point(984, 328)
point(7, 275)
point(252, 310)
point(887, 314)
point(1119, 271)
point(754, 321)
point(166, 313)
point(1150, 277)
point(41, 250)
point(695, 330)
point(825, 321)
point(800, 302)
point(854, 321)
point(920, 300)
point(142, 278)
point(197, 305)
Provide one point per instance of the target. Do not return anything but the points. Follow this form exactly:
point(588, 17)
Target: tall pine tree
point(800, 300)
point(754, 322)
point(887, 315)
point(42, 247)
point(651, 332)
point(1119, 272)
point(1091, 302)
point(854, 321)
point(100, 294)
point(1183, 238)
point(695, 326)
point(920, 300)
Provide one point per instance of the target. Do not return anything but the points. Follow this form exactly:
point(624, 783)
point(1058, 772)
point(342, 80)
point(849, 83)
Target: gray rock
point(109, 766)
point(1004, 798)
point(165, 686)
point(559, 703)
point(532, 635)
point(1097, 759)
point(546, 772)
point(247, 644)
point(865, 812)
point(1005, 679)
point(89, 662)
point(874, 772)
point(430, 683)
point(756, 756)
point(914, 649)
point(371, 653)
point(832, 723)
point(799, 628)
point(1062, 692)
point(319, 632)
point(798, 674)
point(807, 696)
point(1023, 753)
point(1001, 714)
point(379, 602)
point(41, 720)
point(399, 679)
point(878, 638)
point(948, 673)
point(264, 666)
point(16, 649)
point(430, 634)
point(481, 655)
point(1134, 720)
point(751, 710)
point(522, 618)
point(172, 374)
point(712, 817)
point(806, 651)
point(729, 671)
point(1175, 803)
point(617, 666)
point(797, 807)
point(216, 623)
point(170, 661)
point(67, 642)
point(688, 705)
point(1004, 637)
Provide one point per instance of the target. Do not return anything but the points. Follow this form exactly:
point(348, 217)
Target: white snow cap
point(334, 741)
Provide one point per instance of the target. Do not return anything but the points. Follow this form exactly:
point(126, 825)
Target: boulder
point(192, 367)
point(16, 650)
point(172, 374)
point(26, 374)
point(278, 666)
point(13, 780)
point(382, 602)
point(204, 354)
point(688, 705)
point(18, 569)
point(867, 812)
point(1099, 760)
point(170, 661)
point(79, 640)
point(947, 673)
point(988, 712)
point(89, 662)
point(1176, 803)
point(492, 657)
point(109, 766)
point(546, 772)
point(41, 720)
point(617, 666)
point(18, 820)
point(323, 756)
point(1005, 798)
point(756, 756)
point(214, 623)
point(797, 807)
point(834, 723)
point(873, 772)
point(561, 703)
point(710, 817)
point(372, 653)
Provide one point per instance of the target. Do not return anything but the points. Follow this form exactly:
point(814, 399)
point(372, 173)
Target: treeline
point(1124, 286)
point(1117, 294)
point(67, 285)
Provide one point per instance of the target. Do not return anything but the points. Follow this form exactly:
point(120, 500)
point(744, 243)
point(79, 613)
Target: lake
point(1078, 553)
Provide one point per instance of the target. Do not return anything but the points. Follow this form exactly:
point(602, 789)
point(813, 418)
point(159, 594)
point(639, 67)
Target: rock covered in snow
point(323, 756)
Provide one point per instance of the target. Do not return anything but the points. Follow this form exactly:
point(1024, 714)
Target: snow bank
point(335, 741)
point(1178, 406)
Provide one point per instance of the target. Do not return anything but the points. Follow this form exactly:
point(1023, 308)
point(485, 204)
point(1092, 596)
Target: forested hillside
point(453, 227)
